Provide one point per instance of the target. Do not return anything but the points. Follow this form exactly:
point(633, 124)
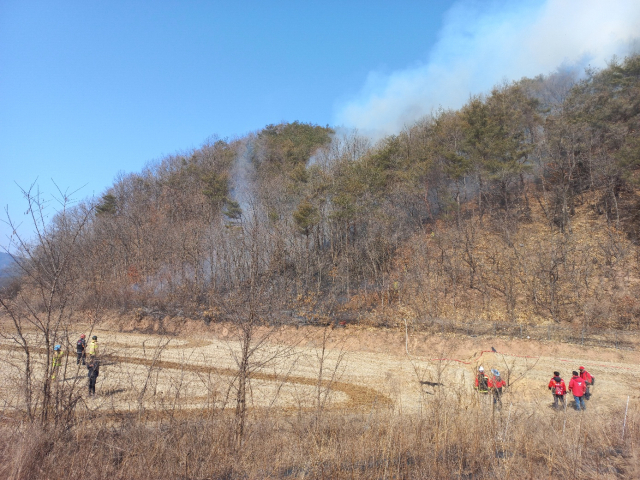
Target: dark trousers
point(92, 385)
point(81, 356)
point(557, 399)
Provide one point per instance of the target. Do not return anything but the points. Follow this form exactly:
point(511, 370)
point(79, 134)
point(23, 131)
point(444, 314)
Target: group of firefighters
point(91, 361)
point(579, 386)
point(493, 384)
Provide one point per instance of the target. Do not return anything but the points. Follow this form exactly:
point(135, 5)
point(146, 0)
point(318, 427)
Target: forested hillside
point(522, 206)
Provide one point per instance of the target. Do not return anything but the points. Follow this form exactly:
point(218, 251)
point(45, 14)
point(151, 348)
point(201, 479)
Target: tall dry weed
point(449, 439)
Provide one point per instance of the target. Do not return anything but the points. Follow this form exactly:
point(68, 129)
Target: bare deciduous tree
point(40, 309)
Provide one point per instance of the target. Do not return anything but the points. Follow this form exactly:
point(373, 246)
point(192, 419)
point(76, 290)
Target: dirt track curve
point(364, 368)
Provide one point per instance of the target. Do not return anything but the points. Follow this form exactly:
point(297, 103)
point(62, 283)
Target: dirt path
point(363, 367)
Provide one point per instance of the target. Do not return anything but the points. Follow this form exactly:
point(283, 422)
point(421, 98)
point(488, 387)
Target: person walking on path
point(558, 389)
point(496, 384)
point(93, 370)
point(578, 388)
point(588, 380)
point(93, 348)
point(81, 346)
point(58, 354)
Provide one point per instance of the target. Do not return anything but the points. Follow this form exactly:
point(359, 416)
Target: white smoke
point(242, 173)
point(484, 43)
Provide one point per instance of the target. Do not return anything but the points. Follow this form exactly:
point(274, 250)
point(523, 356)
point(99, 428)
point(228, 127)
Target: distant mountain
point(7, 267)
point(5, 260)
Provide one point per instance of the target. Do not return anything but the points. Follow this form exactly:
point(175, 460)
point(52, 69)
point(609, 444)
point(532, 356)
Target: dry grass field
point(367, 365)
point(351, 406)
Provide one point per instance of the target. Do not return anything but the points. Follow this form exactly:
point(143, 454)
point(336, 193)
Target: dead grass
point(380, 424)
point(448, 439)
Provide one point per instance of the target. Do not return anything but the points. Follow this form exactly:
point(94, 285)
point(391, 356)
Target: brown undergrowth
point(531, 272)
point(448, 439)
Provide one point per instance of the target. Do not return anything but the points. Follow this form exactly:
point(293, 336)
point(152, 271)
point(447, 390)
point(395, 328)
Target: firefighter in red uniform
point(558, 389)
point(496, 384)
point(588, 380)
point(482, 381)
point(578, 387)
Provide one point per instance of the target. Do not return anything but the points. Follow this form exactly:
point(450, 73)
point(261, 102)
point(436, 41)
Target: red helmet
point(82, 336)
point(580, 368)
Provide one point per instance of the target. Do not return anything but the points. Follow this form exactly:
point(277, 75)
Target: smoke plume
point(484, 43)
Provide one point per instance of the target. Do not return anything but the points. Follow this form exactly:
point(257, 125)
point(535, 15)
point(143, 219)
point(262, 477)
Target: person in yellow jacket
point(58, 354)
point(93, 348)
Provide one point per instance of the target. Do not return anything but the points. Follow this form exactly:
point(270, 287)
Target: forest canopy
point(521, 206)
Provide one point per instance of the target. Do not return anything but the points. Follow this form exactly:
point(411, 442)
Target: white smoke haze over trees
point(484, 43)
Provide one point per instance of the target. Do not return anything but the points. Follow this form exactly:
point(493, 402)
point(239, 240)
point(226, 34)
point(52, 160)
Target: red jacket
point(577, 386)
point(497, 384)
point(559, 385)
point(586, 376)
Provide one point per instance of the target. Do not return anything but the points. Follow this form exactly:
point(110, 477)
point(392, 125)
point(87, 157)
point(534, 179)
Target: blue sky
point(90, 89)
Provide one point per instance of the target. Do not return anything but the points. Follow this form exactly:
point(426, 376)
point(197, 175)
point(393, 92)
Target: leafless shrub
point(39, 312)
